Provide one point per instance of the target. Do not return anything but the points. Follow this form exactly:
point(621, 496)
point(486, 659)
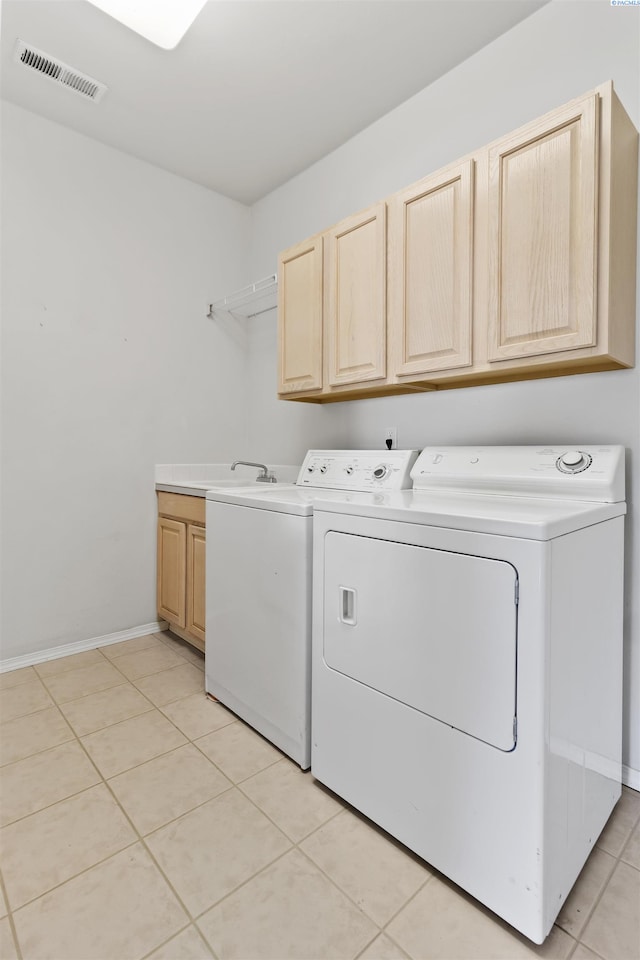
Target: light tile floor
point(141, 820)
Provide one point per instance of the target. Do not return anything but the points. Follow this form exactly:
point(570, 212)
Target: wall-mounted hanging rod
point(250, 301)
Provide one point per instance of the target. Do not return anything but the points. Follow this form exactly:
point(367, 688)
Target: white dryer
point(258, 588)
point(467, 665)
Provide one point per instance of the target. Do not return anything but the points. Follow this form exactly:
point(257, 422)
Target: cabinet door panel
point(542, 235)
point(300, 292)
point(357, 324)
point(196, 550)
point(431, 272)
point(172, 569)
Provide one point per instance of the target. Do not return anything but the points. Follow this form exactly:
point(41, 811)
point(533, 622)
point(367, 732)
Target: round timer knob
point(574, 461)
point(381, 471)
point(572, 458)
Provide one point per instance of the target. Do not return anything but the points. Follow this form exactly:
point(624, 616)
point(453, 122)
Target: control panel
point(357, 469)
point(554, 472)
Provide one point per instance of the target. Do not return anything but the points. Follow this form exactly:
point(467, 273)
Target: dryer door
point(433, 629)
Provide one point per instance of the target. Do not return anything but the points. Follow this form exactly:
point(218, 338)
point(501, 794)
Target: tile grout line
point(238, 786)
point(293, 844)
point(37, 753)
point(172, 937)
point(141, 840)
point(578, 943)
point(74, 876)
point(130, 681)
point(617, 861)
point(153, 673)
point(594, 905)
point(12, 924)
point(628, 841)
point(116, 801)
point(59, 673)
point(192, 920)
point(10, 910)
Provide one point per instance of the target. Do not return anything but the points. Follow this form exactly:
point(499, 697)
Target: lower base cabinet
point(181, 565)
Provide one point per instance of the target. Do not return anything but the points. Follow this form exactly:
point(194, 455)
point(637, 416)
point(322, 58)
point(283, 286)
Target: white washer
point(467, 665)
point(258, 588)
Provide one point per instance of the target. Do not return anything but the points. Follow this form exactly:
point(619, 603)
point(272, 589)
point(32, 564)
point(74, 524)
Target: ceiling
point(257, 90)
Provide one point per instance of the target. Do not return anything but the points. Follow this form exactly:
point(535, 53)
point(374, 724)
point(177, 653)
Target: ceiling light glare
point(163, 22)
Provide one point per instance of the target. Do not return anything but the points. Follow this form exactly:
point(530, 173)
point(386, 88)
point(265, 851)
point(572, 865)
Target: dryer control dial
point(380, 472)
point(573, 461)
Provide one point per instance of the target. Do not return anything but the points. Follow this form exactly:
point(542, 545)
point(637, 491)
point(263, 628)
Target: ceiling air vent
point(61, 72)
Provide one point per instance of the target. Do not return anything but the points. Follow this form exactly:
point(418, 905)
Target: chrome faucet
point(263, 477)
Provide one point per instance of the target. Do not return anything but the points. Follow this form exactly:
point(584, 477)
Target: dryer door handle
point(347, 607)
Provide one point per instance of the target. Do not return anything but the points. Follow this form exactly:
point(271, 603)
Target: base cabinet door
point(196, 544)
point(172, 570)
point(181, 565)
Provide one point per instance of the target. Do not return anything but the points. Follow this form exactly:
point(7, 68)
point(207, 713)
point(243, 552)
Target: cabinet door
point(431, 272)
point(172, 570)
point(196, 541)
point(542, 235)
point(356, 297)
point(300, 292)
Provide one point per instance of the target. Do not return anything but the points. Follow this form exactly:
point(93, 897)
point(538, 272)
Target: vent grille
point(58, 71)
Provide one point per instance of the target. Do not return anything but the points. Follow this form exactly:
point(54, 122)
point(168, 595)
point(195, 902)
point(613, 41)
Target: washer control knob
point(573, 461)
point(310, 469)
point(348, 471)
point(380, 471)
point(323, 468)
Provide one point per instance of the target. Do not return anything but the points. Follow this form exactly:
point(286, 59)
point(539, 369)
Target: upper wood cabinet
point(356, 319)
point(300, 308)
point(430, 272)
point(543, 193)
point(516, 262)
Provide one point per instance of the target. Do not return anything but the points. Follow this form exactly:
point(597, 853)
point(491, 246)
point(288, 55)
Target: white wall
point(562, 51)
point(109, 365)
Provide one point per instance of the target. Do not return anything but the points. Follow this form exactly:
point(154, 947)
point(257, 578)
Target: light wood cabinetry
point(181, 565)
point(300, 309)
point(514, 263)
point(430, 269)
point(356, 321)
point(172, 570)
point(543, 190)
point(195, 585)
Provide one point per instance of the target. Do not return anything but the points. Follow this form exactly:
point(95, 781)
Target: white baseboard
point(630, 777)
point(68, 649)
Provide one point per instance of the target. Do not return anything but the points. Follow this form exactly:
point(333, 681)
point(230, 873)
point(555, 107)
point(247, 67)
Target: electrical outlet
point(391, 434)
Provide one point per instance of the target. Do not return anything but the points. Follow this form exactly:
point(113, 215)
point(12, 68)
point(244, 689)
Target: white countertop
point(194, 479)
